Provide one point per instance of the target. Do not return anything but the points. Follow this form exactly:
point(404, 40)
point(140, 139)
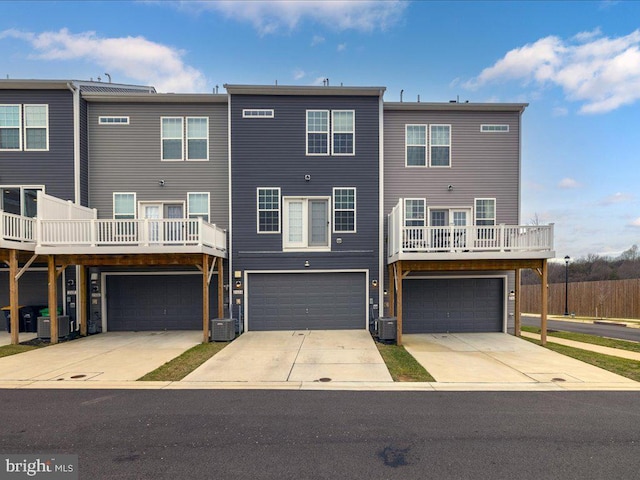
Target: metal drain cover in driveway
point(324, 379)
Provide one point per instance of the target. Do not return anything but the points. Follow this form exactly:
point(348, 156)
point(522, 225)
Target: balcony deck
point(17, 232)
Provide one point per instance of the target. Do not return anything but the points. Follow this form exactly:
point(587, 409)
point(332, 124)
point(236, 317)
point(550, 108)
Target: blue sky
point(576, 63)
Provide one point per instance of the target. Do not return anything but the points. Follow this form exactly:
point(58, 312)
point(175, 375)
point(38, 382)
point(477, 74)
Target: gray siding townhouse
point(452, 206)
point(161, 158)
point(305, 202)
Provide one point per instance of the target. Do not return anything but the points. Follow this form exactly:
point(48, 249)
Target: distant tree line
point(591, 268)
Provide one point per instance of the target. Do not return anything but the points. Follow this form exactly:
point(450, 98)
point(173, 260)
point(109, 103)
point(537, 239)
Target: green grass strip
point(620, 366)
point(592, 339)
point(178, 368)
point(402, 366)
point(7, 350)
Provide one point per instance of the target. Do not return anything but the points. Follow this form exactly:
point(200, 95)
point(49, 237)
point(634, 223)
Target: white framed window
point(36, 127)
point(197, 138)
point(494, 128)
point(344, 210)
point(306, 223)
point(110, 120)
point(414, 212)
point(317, 132)
point(268, 207)
point(416, 145)
point(343, 132)
point(124, 205)
point(172, 138)
point(485, 211)
point(257, 113)
point(440, 148)
point(20, 199)
point(10, 127)
point(198, 205)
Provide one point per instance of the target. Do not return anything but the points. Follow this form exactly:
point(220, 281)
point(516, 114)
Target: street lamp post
point(566, 285)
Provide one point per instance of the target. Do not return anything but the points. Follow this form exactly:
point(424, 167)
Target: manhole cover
point(78, 376)
point(325, 379)
point(558, 379)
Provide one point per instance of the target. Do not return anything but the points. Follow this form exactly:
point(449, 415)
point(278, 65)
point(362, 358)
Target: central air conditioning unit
point(223, 329)
point(44, 326)
point(387, 328)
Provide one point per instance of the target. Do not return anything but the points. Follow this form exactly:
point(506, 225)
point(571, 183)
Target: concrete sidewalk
point(615, 352)
point(5, 337)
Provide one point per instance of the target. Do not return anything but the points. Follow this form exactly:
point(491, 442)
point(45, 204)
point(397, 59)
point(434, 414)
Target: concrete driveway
point(499, 358)
point(112, 356)
point(296, 356)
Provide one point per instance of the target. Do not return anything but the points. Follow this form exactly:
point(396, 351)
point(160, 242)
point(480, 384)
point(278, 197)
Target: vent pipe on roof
point(401, 92)
point(276, 82)
point(108, 76)
point(418, 98)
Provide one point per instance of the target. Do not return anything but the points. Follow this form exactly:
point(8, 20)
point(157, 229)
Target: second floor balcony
point(17, 231)
point(466, 242)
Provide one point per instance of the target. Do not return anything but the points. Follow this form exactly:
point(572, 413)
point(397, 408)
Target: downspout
point(381, 242)
point(75, 90)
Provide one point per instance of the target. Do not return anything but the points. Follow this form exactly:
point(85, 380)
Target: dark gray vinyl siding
point(53, 168)
point(272, 153)
point(482, 164)
point(84, 154)
point(127, 158)
point(32, 289)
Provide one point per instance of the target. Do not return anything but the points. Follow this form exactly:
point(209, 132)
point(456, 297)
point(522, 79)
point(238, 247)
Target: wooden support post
point(517, 307)
point(81, 299)
point(221, 290)
point(544, 302)
point(399, 276)
point(391, 293)
point(14, 307)
point(53, 299)
point(205, 298)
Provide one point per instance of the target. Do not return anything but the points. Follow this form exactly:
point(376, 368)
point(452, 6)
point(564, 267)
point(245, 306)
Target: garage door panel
point(453, 305)
point(301, 301)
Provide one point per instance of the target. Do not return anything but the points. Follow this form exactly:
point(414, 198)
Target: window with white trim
point(485, 210)
point(172, 138)
point(197, 138)
point(440, 140)
point(342, 132)
point(109, 120)
point(20, 200)
point(10, 127)
point(306, 223)
point(494, 128)
point(257, 113)
point(198, 205)
point(317, 132)
point(36, 127)
point(416, 145)
point(344, 210)
point(174, 132)
point(268, 202)
point(414, 212)
point(124, 205)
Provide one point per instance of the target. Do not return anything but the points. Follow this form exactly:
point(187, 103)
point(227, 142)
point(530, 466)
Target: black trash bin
point(29, 317)
point(7, 316)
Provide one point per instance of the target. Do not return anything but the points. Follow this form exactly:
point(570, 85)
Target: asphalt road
point(611, 331)
point(209, 434)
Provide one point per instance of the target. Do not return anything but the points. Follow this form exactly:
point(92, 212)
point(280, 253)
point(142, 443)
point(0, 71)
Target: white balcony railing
point(465, 239)
point(135, 232)
point(17, 228)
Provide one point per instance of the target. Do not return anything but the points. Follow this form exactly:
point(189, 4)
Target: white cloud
point(342, 47)
point(568, 183)
point(317, 40)
point(298, 74)
point(560, 112)
point(272, 16)
point(602, 73)
point(617, 197)
point(136, 58)
point(635, 223)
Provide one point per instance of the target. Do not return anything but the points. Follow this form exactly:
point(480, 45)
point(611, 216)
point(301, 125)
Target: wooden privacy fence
point(604, 299)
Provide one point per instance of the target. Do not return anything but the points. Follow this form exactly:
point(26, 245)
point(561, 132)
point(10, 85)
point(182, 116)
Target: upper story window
point(306, 223)
point(268, 210)
point(174, 131)
point(344, 210)
point(317, 132)
point(124, 205)
point(20, 200)
point(257, 113)
point(108, 120)
point(198, 205)
point(440, 154)
point(414, 212)
point(416, 145)
point(494, 128)
point(343, 132)
point(24, 127)
point(485, 211)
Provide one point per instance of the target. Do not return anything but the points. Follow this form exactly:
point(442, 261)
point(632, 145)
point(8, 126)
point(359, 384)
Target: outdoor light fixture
point(161, 183)
point(449, 187)
point(374, 283)
point(306, 263)
point(307, 178)
point(566, 285)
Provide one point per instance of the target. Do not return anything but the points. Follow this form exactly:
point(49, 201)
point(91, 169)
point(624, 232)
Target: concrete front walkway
point(5, 337)
point(112, 356)
point(500, 358)
point(296, 356)
point(615, 352)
